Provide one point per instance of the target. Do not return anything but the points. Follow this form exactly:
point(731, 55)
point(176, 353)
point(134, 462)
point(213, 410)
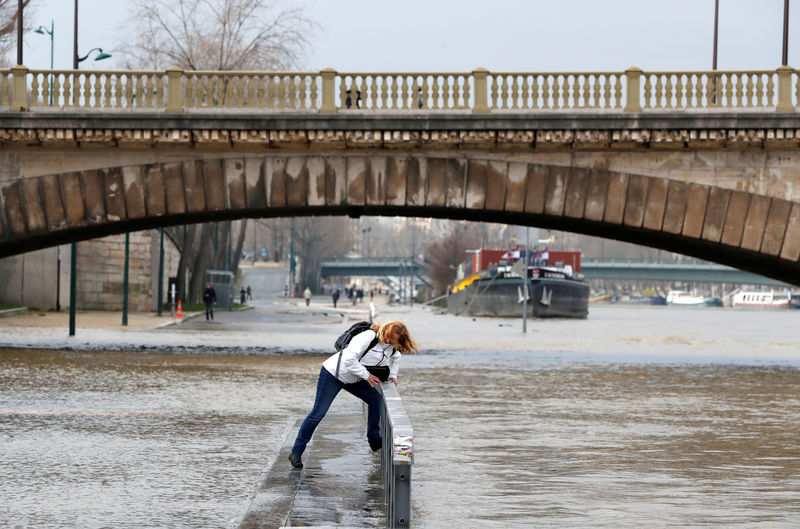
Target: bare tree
point(8, 26)
point(447, 253)
point(213, 35)
point(216, 35)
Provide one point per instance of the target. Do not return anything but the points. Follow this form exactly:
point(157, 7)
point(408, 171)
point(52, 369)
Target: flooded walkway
point(339, 485)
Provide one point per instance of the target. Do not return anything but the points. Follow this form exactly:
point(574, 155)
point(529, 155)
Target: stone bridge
point(722, 184)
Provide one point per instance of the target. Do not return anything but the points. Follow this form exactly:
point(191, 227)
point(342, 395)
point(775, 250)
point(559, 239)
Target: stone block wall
point(31, 279)
point(101, 269)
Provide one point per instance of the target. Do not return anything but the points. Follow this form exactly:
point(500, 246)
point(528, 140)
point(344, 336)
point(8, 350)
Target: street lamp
point(42, 30)
point(100, 55)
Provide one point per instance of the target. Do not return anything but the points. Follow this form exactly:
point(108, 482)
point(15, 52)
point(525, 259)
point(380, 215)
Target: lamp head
point(41, 30)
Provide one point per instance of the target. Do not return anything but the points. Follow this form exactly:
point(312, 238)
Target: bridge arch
point(746, 230)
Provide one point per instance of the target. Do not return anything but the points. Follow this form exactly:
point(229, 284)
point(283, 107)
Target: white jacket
point(351, 370)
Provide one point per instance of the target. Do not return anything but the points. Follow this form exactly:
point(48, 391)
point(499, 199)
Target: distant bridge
point(633, 269)
point(375, 267)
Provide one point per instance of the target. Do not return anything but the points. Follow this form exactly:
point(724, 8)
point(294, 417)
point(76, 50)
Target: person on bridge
point(363, 350)
point(210, 299)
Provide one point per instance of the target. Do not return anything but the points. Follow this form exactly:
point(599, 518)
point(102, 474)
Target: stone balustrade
point(329, 91)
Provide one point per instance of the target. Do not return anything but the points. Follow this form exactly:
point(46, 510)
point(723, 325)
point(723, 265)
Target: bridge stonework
point(722, 188)
point(658, 211)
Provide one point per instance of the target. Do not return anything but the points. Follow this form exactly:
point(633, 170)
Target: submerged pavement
point(340, 484)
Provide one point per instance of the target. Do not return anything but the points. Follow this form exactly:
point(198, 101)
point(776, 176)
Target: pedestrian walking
point(380, 345)
point(249, 293)
point(307, 295)
point(210, 299)
point(336, 294)
point(242, 296)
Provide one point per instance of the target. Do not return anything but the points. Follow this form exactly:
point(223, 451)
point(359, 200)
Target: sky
point(461, 35)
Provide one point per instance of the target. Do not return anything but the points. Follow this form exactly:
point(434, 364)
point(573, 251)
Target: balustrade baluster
point(603, 92)
point(92, 91)
point(669, 93)
point(514, 91)
point(315, 99)
point(250, 91)
point(525, 90)
point(383, 98)
point(759, 99)
point(559, 92)
point(571, 89)
point(662, 95)
point(750, 89)
point(116, 91)
point(797, 90)
point(534, 91)
point(647, 94)
point(281, 92)
point(463, 92)
point(739, 90)
point(679, 91)
point(107, 90)
point(148, 91)
point(726, 91)
point(435, 92)
point(770, 94)
point(5, 95)
point(35, 91)
point(590, 91)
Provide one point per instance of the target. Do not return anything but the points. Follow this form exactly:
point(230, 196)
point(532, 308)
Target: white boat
point(763, 299)
point(687, 299)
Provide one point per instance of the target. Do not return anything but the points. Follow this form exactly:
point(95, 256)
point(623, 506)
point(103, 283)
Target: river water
point(635, 417)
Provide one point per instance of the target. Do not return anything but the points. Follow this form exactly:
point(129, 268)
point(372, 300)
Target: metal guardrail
point(327, 91)
point(397, 456)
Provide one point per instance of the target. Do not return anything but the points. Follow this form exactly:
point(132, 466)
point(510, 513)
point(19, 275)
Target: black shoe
point(375, 444)
point(294, 459)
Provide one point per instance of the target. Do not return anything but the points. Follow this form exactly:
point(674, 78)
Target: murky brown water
point(502, 440)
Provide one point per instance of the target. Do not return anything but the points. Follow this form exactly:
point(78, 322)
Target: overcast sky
point(500, 35)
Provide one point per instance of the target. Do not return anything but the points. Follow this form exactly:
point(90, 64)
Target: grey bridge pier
point(342, 484)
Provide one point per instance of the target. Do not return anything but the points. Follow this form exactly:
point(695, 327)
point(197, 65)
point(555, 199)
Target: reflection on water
point(507, 440)
point(140, 440)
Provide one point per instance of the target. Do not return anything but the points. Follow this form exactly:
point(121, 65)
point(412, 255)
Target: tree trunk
point(188, 252)
point(203, 258)
point(237, 251)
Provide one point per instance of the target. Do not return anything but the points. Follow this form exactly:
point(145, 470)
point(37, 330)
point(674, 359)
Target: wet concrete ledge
point(339, 486)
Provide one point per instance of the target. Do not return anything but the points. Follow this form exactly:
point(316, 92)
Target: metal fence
point(397, 456)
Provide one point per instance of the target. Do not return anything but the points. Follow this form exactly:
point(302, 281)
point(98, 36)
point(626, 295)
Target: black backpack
point(344, 339)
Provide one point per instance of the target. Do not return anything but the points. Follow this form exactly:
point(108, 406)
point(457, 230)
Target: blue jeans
point(328, 386)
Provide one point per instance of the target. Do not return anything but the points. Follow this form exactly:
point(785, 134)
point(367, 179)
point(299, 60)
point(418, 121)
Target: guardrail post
point(785, 89)
point(633, 79)
point(19, 75)
point(174, 92)
point(397, 457)
point(480, 77)
point(328, 91)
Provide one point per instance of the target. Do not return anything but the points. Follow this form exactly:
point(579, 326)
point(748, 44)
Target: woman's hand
point(394, 380)
point(373, 381)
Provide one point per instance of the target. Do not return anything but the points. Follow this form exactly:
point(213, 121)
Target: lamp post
point(42, 30)
point(785, 57)
point(73, 266)
point(20, 5)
